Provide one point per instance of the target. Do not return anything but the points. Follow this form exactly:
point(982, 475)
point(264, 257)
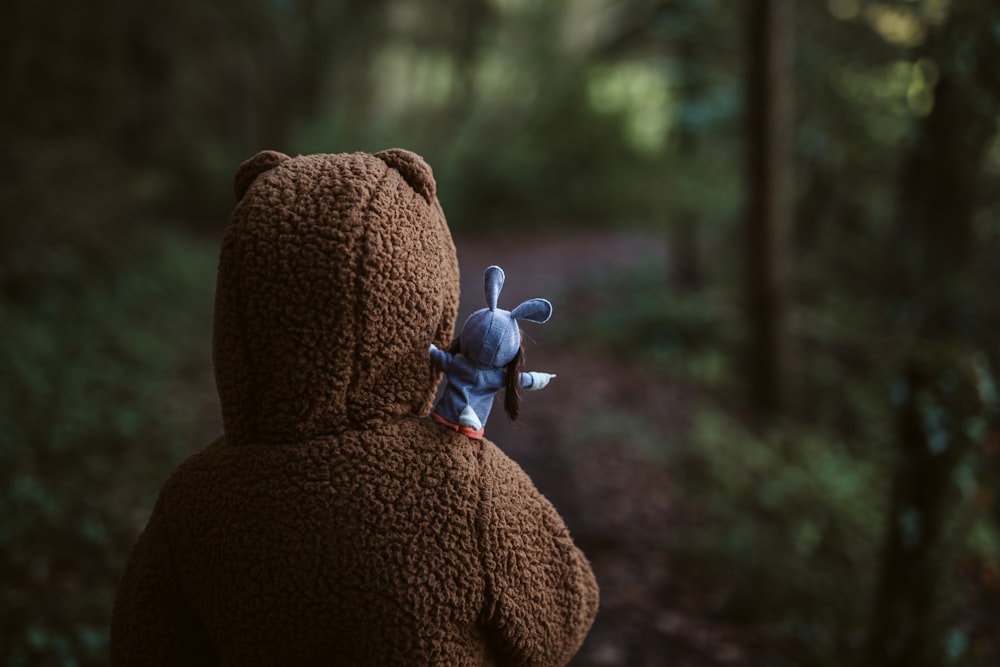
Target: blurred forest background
point(780, 446)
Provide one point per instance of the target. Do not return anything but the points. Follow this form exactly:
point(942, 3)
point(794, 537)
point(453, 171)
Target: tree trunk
point(769, 203)
point(942, 408)
point(938, 397)
point(687, 271)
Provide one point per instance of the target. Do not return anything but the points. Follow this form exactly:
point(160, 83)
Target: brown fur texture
point(333, 522)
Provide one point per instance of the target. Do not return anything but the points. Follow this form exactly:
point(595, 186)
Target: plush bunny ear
point(414, 170)
point(254, 167)
point(494, 278)
point(533, 310)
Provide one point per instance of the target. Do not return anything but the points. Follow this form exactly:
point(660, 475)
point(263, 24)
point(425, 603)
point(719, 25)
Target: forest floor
point(590, 443)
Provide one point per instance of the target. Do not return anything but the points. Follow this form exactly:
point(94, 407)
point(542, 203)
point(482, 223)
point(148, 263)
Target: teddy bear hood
point(336, 272)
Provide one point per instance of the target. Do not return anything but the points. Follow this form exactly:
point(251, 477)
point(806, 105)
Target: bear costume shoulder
point(334, 522)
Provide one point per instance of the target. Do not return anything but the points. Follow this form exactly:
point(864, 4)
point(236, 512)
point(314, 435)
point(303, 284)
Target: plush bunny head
point(491, 336)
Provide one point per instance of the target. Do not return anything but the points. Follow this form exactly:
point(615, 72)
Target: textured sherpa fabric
point(334, 523)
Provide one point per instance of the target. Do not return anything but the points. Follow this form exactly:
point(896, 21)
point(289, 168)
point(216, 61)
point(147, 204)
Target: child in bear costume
point(485, 358)
point(333, 522)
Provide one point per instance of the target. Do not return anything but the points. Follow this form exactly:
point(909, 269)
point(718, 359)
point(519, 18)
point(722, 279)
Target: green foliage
point(96, 407)
point(794, 521)
point(792, 518)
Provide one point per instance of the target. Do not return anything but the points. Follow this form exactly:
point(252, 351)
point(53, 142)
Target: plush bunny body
point(332, 522)
point(489, 341)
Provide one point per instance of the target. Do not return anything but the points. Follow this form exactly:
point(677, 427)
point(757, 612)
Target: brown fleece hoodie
point(334, 523)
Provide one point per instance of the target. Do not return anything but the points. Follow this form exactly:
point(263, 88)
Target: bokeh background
point(769, 228)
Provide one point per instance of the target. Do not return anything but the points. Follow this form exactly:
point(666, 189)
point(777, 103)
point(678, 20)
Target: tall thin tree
point(769, 203)
point(942, 392)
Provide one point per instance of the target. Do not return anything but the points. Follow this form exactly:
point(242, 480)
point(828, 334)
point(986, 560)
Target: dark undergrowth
point(788, 520)
point(105, 368)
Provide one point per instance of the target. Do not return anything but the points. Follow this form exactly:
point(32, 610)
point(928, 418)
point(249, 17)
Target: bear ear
point(413, 169)
point(533, 310)
point(254, 167)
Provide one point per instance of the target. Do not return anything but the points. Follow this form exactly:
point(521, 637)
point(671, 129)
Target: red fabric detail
point(464, 430)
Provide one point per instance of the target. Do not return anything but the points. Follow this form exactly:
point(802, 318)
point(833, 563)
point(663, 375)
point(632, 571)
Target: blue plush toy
point(486, 357)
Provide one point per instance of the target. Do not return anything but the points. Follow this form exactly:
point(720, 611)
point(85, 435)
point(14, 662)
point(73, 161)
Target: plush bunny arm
point(440, 358)
point(150, 623)
point(535, 380)
point(541, 595)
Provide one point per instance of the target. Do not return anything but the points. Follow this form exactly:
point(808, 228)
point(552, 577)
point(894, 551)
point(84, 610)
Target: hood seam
point(358, 291)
